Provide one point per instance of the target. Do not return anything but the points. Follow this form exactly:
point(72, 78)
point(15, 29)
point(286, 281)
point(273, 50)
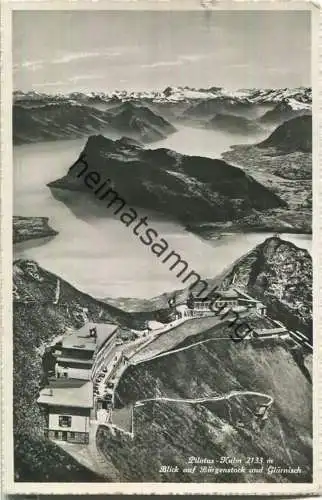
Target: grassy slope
point(36, 459)
point(168, 433)
point(40, 320)
point(36, 322)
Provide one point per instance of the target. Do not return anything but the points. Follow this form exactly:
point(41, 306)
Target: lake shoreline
point(215, 234)
point(100, 255)
point(31, 228)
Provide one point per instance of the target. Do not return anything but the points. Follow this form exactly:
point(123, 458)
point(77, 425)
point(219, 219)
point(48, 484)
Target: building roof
point(82, 340)
point(219, 294)
point(202, 299)
point(71, 395)
point(71, 359)
point(104, 332)
point(65, 382)
point(79, 340)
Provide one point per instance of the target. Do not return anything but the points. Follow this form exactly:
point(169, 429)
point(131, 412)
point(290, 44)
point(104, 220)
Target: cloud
point(79, 78)
point(68, 81)
point(50, 84)
point(75, 56)
point(31, 65)
point(242, 65)
point(181, 59)
point(161, 64)
point(193, 57)
point(67, 58)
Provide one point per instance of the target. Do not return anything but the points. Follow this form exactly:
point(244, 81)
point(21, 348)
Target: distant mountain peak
point(139, 121)
point(286, 109)
point(293, 135)
point(179, 93)
point(53, 119)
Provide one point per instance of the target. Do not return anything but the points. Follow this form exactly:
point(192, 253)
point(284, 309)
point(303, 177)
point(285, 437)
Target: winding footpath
point(223, 397)
point(92, 457)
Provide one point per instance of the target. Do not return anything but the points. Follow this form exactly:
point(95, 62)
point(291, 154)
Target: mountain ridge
point(276, 272)
point(70, 119)
point(279, 274)
point(293, 135)
point(301, 94)
point(41, 320)
point(156, 179)
point(285, 110)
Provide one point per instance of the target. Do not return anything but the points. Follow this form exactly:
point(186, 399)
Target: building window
point(65, 421)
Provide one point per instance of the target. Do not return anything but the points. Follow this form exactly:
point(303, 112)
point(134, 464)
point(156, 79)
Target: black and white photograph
point(162, 247)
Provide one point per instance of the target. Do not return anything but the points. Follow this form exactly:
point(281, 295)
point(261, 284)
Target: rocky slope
point(221, 105)
point(170, 433)
point(185, 188)
point(37, 321)
point(39, 116)
point(51, 120)
point(139, 122)
point(282, 163)
point(276, 272)
point(27, 228)
point(285, 153)
point(300, 95)
point(293, 135)
point(279, 274)
point(34, 287)
point(285, 110)
point(56, 121)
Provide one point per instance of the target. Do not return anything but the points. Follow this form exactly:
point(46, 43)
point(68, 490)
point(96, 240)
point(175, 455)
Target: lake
point(103, 257)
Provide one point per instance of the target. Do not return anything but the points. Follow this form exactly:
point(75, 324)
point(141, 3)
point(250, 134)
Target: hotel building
point(68, 400)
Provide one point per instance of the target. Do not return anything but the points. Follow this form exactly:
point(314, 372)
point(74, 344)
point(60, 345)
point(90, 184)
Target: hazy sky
point(107, 50)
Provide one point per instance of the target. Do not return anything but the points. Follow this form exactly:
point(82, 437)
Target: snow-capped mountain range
point(151, 116)
point(297, 98)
